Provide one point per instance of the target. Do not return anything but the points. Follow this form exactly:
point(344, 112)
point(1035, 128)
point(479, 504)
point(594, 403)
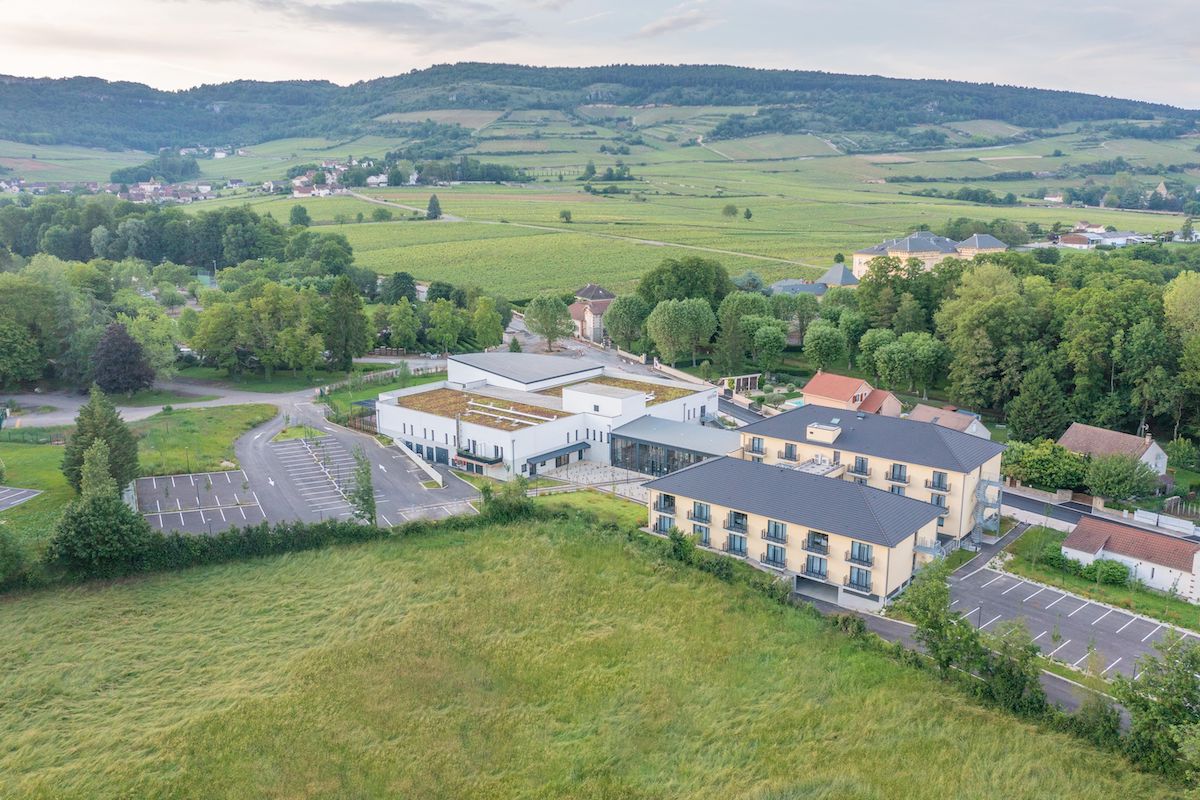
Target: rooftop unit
point(822, 433)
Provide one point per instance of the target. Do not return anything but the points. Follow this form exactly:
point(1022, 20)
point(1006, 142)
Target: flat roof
point(831, 505)
point(886, 437)
point(527, 367)
point(655, 392)
point(604, 390)
point(681, 435)
point(479, 409)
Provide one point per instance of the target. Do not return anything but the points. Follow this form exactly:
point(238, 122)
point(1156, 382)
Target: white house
point(1161, 561)
point(506, 414)
point(1088, 440)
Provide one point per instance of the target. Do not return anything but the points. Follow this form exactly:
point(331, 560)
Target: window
point(756, 444)
point(861, 466)
point(757, 459)
point(663, 524)
point(938, 500)
point(862, 553)
point(775, 556)
point(817, 543)
point(897, 490)
point(701, 512)
point(837, 457)
point(859, 579)
point(776, 531)
point(665, 503)
point(816, 567)
point(701, 533)
point(939, 482)
point(789, 452)
point(735, 544)
point(899, 473)
point(596, 408)
point(735, 522)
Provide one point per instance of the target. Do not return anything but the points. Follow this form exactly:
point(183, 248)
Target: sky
point(1147, 50)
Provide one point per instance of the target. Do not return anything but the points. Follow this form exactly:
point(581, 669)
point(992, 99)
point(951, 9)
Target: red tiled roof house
point(853, 394)
point(1159, 560)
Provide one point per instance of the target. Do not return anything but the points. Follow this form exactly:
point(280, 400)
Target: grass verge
point(195, 439)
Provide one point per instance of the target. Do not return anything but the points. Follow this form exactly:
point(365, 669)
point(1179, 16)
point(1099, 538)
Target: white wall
point(1155, 458)
point(1156, 576)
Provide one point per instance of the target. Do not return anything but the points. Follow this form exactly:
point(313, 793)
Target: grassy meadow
point(542, 660)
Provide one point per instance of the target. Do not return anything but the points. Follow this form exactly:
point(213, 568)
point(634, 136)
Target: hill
point(98, 113)
point(553, 659)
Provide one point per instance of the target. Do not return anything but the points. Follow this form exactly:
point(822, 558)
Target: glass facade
point(652, 459)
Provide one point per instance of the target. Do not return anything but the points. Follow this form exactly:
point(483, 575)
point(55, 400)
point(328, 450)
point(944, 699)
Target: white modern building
point(507, 414)
point(1159, 560)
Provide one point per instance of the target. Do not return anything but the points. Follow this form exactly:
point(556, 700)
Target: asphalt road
point(11, 496)
point(1062, 513)
point(737, 412)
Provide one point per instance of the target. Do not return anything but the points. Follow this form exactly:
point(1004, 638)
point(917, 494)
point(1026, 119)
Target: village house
point(837, 275)
point(852, 394)
point(950, 417)
point(928, 248)
point(1088, 440)
point(1159, 560)
point(587, 312)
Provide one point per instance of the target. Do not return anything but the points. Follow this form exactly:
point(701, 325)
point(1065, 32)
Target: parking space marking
point(1040, 635)
point(1151, 633)
point(993, 580)
point(1035, 594)
point(989, 622)
point(1110, 666)
point(972, 611)
point(1102, 616)
point(1060, 647)
point(1059, 600)
point(1081, 608)
point(1014, 586)
point(952, 602)
point(1081, 658)
point(1127, 624)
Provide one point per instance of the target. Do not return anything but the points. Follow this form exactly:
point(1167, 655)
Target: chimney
point(1149, 438)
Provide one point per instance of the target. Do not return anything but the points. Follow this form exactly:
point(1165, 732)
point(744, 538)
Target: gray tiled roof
point(838, 275)
point(683, 435)
point(982, 241)
point(886, 437)
point(918, 242)
point(594, 292)
point(795, 286)
point(831, 505)
point(526, 367)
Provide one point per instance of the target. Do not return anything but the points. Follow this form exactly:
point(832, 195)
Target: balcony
point(776, 536)
point(784, 455)
point(863, 560)
point(934, 486)
point(858, 471)
point(896, 477)
point(478, 459)
point(821, 549)
point(816, 576)
point(861, 588)
point(756, 449)
point(703, 520)
point(735, 527)
point(664, 508)
point(661, 527)
point(734, 548)
point(774, 563)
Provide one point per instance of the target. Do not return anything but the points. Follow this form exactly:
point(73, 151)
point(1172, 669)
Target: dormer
point(823, 433)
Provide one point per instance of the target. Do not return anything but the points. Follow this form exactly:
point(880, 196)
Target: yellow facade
point(917, 481)
point(817, 557)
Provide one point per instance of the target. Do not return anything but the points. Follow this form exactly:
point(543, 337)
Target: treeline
point(93, 112)
point(166, 167)
point(968, 194)
point(467, 169)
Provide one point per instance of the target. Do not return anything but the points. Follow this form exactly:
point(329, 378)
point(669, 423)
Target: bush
point(1052, 556)
point(1097, 721)
point(12, 562)
point(682, 547)
point(718, 566)
point(98, 536)
point(508, 503)
point(1106, 571)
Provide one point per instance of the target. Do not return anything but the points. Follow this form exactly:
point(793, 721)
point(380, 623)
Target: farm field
point(38, 162)
point(589, 671)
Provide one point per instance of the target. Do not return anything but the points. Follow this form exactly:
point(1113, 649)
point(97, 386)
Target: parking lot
point(206, 502)
point(322, 472)
point(1063, 625)
point(10, 496)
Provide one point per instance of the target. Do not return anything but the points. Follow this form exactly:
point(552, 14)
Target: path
point(596, 234)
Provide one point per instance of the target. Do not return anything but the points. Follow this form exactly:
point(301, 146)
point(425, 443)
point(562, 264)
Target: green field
point(59, 162)
point(542, 660)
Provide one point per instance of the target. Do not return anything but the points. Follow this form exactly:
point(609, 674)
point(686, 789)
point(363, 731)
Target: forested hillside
point(94, 112)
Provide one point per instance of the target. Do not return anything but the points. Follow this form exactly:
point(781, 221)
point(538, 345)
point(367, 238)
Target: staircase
point(988, 495)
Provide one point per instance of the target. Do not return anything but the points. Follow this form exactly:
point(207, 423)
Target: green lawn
point(195, 439)
point(341, 400)
point(279, 382)
point(34, 466)
point(540, 660)
point(1144, 601)
point(160, 397)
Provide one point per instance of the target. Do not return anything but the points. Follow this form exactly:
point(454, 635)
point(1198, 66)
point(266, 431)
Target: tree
point(565, 215)
point(747, 214)
point(895, 364)
point(749, 281)
point(699, 323)
point(99, 536)
point(869, 344)
point(99, 420)
point(681, 278)
point(446, 325)
point(218, 336)
point(1044, 464)
point(120, 363)
point(299, 216)
point(666, 328)
point(404, 325)
point(806, 309)
point(1011, 671)
point(362, 496)
point(345, 327)
point(156, 333)
point(1120, 476)
point(947, 638)
point(1039, 411)
point(1181, 302)
point(769, 344)
point(824, 345)
point(20, 359)
point(1163, 705)
point(489, 328)
point(439, 290)
point(397, 285)
point(730, 210)
point(96, 476)
point(547, 316)
point(514, 345)
point(910, 315)
point(625, 319)
point(434, 210)
point(853, 325)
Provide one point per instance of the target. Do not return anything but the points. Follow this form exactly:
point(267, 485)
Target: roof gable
point(834, 386)
point(594, 292)
point(1093, 534)
point(1093, 441)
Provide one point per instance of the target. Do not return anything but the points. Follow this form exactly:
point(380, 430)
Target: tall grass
point(548, 659)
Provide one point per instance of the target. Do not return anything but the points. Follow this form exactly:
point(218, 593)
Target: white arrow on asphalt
point(382, 467)
point(271, 481)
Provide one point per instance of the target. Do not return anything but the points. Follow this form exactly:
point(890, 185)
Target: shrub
point(98, 536)
point(718, 566)
point(508, 503)
point(1052, 556)
point(1096, 721)
point(1107, 571)
point(682, 547)
point(849, 624)
point(12, 561)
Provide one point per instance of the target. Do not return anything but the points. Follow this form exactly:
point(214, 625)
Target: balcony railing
point(757, 450)
point(775, 536)
point(896, 477)
point(664, 508)
point(934, 486)
point(855, 586)
point(784, 455)
point(703, 520)
point(734, 549)
point(662, 527)
point(858, 472)
point(777, 563)
point(735, 527)
point(478, 459)
point(817, 547)
point(865, 560)
point(816, 576)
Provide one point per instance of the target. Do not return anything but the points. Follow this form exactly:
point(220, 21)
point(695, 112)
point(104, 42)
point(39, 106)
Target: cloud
point(588, 18)
point(679, 21)
point(464, 23)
